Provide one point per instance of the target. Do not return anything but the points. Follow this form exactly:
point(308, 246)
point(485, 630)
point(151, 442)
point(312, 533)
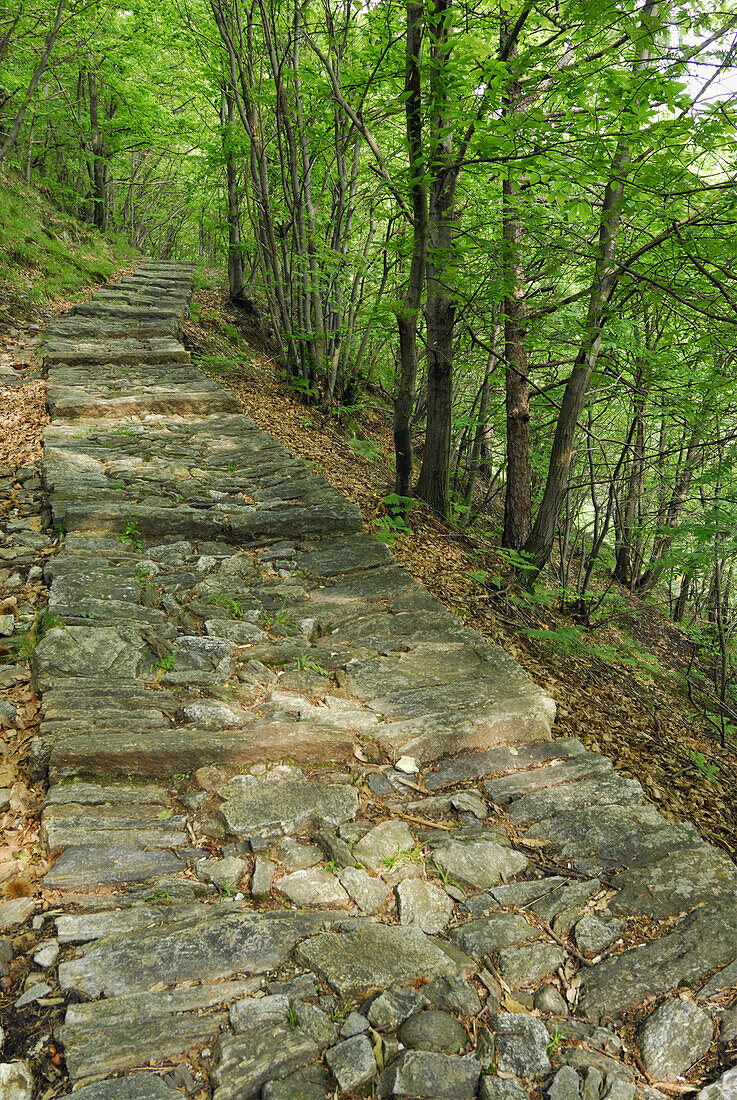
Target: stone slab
point(243, 1064)
point(84, 866)
point(195, 949)
point(268, 807)
point(373, 957)
point(138, 1086)
point(144, 1028)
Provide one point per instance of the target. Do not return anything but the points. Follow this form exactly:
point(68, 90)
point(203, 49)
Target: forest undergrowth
point(618, 684)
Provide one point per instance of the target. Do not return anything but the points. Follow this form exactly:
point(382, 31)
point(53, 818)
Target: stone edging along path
point(425, 896)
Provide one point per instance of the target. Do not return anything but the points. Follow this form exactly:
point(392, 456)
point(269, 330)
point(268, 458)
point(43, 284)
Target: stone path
point(312, 836)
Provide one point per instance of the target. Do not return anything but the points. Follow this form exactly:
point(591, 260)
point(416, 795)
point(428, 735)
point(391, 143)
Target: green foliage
point(393, 524)
point(365, 448)
point(222, 599)
point(45, 253)
point(309, 664)
point(132, 532)
point(164, 664)
point(711, 771)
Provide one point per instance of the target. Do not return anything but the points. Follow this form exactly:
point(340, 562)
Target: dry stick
point(424, 821)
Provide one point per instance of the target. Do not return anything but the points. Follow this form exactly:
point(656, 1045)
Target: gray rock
point(595, 1064)
point(81, 793)
point(313, 887)
point(496, 1088)
point(524, 966)
point(241, 633)
point(254, 1013)
point(274, 806)
point(294, 856)
point(521, 1044)
point(479, 864)
point(725, 1088)
point(727, 1025)
point(335, 849)
point(262, 877)
point(197, 948)
point(392, 1008)
point(311, 1083)
point(453, 994)
point(549, 1001)
point(225, 873)
point(723, 979)
point(606, 789)
point(423, 906)
point(15, 911)
point(352, 1063)
point(379, 785)
point(32, 994)
point(426, 1075)
point(102, 1037)
point(211, 714)
point(303, 986)
point(105, 652)
point(592, 935)
point(469, 802)
point(81, 866)
point(16, 1082)
point(566, 1085)
point(703, 941)
point(47, 954)
point(433, 1030)
point(139, 1086)
point(384, 844)
point(485, 935)
point(243, 1064)
point(673, 1037)
point(7, 622)
point(676, 884)
point(315, 1023)
point(370, 894)
point(354, 1024)
point(373, 957)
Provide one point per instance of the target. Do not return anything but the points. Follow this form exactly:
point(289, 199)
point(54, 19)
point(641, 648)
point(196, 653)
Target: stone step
point(140, 825)
point(201, 948)
point(129, 314)
point(143, 1029)
point(102, 327)
point(111, 351)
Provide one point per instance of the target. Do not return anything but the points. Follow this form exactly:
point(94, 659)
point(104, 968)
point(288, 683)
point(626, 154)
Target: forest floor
point(637, 717)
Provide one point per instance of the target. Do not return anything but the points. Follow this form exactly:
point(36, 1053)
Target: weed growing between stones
point(132, 532)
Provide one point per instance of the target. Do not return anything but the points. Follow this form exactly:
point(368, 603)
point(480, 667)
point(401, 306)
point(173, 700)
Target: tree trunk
point(626, 566)
point(434, 480)
point(235, 254)
point(517, 505)
point(664, 540)
point(408, 316)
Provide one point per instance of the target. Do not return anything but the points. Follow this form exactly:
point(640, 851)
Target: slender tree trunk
point(664, 540)
point(517, 504)
point(235, 253)
point(479, 437)
point(433, 482)
point(625, 565)
point(409, 315)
